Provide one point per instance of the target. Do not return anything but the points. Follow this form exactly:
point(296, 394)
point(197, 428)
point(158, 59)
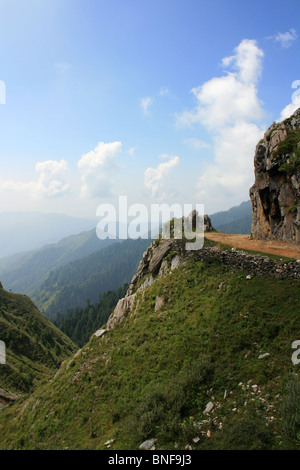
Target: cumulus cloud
point(230, 176)
point(295, 104)
point(228, 99)
point(289, 110)
point(154, 177)
point(228, 106)
point(95, 167)
point(285, 39)
point(50, 182)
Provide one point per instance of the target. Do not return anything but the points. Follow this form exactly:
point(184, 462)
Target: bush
point(249, 433)
point(164, 406)
point(291, 408)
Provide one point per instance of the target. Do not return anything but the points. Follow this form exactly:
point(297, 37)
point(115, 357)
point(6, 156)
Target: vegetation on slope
point(83, 280)
point(290, 149)
point(153, 375)
point(34, 347)
point(79, 323)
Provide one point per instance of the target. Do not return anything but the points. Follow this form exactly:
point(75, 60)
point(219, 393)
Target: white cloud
point(230, 176)
point(229, 108)
point(285, 39)
point(196, 144)
point(289, 109)
point(164, 91)
point(154, 177)
point(295, 104)
point(145, 103)
point(228, 99)
point(50, 182)
point(131, 151)
point(246, 61)
point(95, 167)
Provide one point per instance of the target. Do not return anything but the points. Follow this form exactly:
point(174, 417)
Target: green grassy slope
point(35, 347)
point(153, 375)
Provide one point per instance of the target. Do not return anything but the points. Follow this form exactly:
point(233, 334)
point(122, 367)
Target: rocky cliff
point(275, 195)
point(163, 257)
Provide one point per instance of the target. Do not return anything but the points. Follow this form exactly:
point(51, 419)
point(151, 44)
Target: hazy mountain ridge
point(27, 231)
point(235, 220)
point(25, 272)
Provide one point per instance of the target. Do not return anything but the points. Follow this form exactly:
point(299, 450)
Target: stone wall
point(162, 258)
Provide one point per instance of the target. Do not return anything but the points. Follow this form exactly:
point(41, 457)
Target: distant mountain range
point(25, 272)
point(65, 274)
point(238, 219)
point(26, 231)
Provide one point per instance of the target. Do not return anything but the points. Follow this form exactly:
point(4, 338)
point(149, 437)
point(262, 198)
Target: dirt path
point(274, 247)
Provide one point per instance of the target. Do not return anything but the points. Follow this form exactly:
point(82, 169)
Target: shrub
point(249, 433)
point(291, 408)
point(164, 406)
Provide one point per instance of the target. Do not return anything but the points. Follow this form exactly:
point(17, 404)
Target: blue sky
point(161, 100)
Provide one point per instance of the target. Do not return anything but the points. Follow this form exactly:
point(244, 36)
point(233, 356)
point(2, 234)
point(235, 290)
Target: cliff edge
point(275, 195)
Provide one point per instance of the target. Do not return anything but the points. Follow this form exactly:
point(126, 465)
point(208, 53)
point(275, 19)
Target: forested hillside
point(79, 323)
point(235, 220)
point(25, 272)
point(81, 281)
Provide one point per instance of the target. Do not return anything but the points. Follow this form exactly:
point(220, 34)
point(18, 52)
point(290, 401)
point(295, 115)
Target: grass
point(35, 348)
point(152, 375)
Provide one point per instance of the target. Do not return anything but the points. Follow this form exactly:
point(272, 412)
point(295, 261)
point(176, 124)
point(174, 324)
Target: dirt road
point(274, 247)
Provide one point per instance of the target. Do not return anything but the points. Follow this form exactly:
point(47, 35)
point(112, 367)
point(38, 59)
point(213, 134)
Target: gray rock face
point(124, 306)
point(151, 262)
point(275, 195)
point(194, 220)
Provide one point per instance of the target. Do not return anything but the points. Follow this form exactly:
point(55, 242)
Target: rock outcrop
point(163, 257)
point(194, 220)
point(275, 195)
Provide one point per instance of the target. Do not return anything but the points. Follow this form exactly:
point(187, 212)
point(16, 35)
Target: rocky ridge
point(164, 256)
point(275, 195)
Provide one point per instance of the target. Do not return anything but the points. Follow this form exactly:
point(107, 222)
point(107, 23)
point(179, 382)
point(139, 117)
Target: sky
point(162, 101)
